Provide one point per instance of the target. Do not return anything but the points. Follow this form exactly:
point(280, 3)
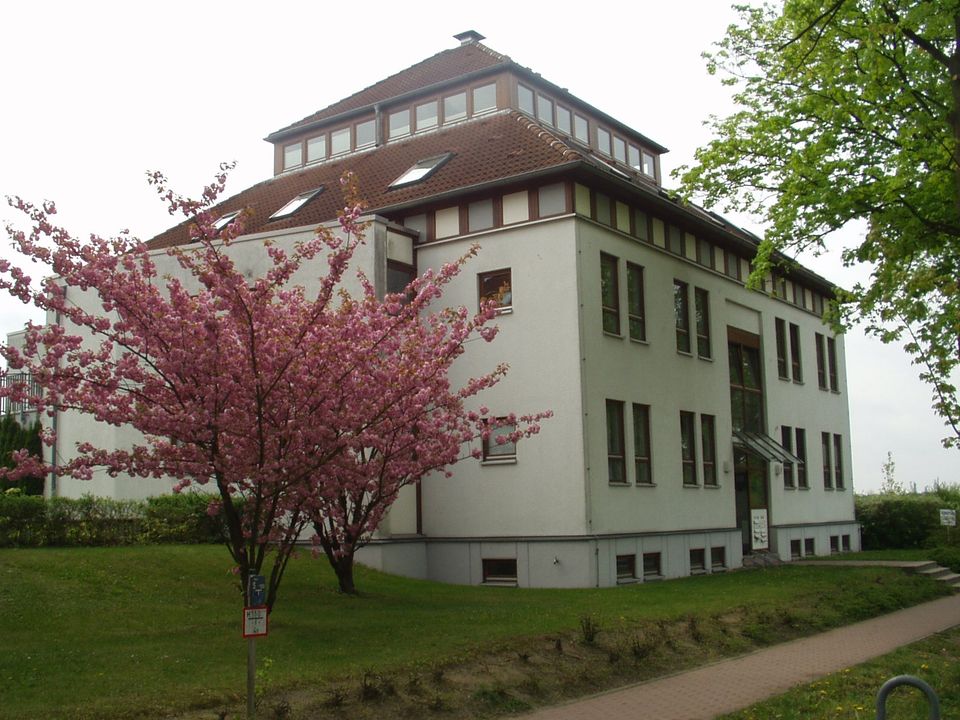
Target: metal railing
point(10, 407)
point(932, 700)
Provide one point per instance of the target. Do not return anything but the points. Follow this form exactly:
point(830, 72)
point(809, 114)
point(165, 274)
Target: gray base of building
point(587, 561)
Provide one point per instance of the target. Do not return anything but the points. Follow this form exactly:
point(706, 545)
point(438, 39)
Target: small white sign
point(255, 621)
point(948, 517)
point(758, 523)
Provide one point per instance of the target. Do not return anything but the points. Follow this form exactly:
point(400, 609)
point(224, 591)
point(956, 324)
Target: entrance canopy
point(764, 446)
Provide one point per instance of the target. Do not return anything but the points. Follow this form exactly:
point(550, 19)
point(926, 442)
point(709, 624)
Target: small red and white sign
point(255, 621)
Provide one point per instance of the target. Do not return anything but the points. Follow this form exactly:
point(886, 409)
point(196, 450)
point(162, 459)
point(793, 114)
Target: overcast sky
point(94, 94)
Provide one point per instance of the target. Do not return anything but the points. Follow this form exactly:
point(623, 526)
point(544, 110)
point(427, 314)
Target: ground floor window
point(500, 570)
point(809, 548)
point(834, 544)
point(845, 542)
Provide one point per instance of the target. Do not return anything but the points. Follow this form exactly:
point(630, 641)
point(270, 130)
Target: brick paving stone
point(730, 685)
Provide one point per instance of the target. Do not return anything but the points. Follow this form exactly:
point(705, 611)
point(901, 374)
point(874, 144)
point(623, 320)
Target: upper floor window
point(296, 203)
point(781, 329)
point(485, 98)
point(292, 155)
point(427, 115)
point(641, 444)
point(795, 353)
point(832, 364)
point(619, 150)
point(603, 141)
point(702, 310)
point(676, 240)
point(580, 129)
point(366, 133)
point(825, 446)
point(708, 441)
point(316, 148)
point(616, 468)
point(610, 293)
point(635, 306)
point(421, 171)
point(399, 123)
point(525, 99)
point(563, 120)
point(454, 107)
point(496, 286)
point(497, 444)
point(786, 439)
point(688, 450)
point(649, 165)
point(224, 220)
point(821, 350)
point(340, 141)
point(681, 310)
point(545, 110)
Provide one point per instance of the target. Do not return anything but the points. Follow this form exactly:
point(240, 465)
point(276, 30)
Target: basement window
point(500, 571)
point(296, 203)
point(626, 568)
point(421, 171)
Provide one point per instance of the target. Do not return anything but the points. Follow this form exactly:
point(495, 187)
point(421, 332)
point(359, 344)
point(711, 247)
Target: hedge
point(901, 521)
point(31, 521)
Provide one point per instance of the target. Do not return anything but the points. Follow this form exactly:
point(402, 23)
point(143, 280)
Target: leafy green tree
point(849, 110)
point(13, 437)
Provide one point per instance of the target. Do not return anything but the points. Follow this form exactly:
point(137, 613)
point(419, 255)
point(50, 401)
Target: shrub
point(897, 521)
point(948, 557)
point(181, 518)
point(22, 520)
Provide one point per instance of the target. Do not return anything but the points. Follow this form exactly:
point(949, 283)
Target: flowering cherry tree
point(301, 407)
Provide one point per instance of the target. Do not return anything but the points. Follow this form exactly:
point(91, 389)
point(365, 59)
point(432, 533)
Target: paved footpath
point(730, 685)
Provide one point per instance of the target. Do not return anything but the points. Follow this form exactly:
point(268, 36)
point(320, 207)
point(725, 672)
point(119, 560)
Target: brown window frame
point(610, 312)
point(616, 445)
point(642, 461)
point(783, 367)
point(636, 307)
point(832, 366)
point(825, 450)
point(821, 350)
point(803, 481)
point(708, 441)
point(688, 448)
point(681, 311)
point(786, 440)
point(796, 358)
point(701, 313)
point(838, 482)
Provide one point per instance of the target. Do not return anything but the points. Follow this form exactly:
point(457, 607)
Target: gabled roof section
point(520, 146)
point(471, 57)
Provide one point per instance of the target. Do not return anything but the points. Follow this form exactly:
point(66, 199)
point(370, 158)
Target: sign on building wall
point(758, 527)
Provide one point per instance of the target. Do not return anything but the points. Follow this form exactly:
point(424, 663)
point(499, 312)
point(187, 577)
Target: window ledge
point(784, 378)
point(789, 487)
point(718, 568)
point(500, 583)
point(798, 382)
point(692, 486)
point(647, 485)
point(499, 461)
point(618, 484)
point(505, 311)
point(705, 358)
point(835, 392)
point(640, 341)
point(711, 487)
point(698, 571)
point(627, 581)
point(652, 578)
point(805, 489)
point(609, 334)
point(685, 353)
point(828, 489)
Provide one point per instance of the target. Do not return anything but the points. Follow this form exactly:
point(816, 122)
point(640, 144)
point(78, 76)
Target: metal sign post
point(256, 620)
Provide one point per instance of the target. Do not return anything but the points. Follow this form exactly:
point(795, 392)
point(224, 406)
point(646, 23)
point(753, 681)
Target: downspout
point(584, 429)
point(55, 448)
point(377, 125)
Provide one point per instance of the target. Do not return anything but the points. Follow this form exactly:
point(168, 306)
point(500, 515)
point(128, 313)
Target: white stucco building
point(695, 421)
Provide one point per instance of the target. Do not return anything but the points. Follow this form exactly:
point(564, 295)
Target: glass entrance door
point(752, 493)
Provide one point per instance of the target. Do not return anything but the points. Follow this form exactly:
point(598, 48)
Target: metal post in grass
point(932, 700)
point(255, 624)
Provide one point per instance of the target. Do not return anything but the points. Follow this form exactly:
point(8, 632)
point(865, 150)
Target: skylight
point(296, 203)
point(421, 171)
point(225, 220)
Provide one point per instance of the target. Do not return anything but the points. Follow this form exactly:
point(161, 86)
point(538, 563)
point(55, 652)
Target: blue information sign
point(257, 590)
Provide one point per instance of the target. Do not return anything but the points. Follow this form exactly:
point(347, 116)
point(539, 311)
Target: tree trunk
point(343, 567)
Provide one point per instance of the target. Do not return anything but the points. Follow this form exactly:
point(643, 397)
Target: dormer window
point(421, 171)
point(399, 123)
point(366, 134)
point(296, 203)
point(454, 107)
point(225, 220)
point(427, 115)
point(340, 141)
point(484, 98)
point(316, 148)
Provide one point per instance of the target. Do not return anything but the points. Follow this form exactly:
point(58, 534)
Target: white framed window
point(497, 445)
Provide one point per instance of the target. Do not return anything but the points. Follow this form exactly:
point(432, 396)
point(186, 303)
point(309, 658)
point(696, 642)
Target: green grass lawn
point(851, 694)
point(139, 631)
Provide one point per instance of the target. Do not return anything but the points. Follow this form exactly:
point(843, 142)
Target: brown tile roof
point(446, 65)
point(485, 150)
